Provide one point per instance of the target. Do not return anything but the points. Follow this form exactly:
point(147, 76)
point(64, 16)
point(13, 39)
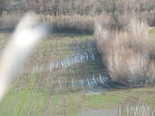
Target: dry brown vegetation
point(75, 23)
point(128, 53)
point(124, 42)
point(76, 15)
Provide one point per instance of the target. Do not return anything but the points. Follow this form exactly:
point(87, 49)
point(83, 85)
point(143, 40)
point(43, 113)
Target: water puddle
point(102, 112)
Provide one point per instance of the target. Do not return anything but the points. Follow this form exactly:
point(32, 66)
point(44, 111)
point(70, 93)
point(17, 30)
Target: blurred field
point(42, 88)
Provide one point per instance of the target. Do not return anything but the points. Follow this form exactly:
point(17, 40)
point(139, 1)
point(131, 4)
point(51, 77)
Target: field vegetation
point(43, 90)
point(76, 15)
point(97, 53)
point(129, 53)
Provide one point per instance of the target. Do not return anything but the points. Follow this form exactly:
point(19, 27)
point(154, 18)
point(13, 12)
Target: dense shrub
point(128, 54)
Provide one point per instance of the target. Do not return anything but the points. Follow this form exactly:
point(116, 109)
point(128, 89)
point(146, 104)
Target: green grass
point(74, 102)
point(37, 95)
point(152, 30)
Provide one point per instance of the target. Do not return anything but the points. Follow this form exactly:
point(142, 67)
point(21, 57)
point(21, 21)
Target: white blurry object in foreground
point(27, 34)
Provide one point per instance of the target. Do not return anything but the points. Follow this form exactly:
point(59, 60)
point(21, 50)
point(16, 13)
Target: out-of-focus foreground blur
point(27, 34)
point(98, 59)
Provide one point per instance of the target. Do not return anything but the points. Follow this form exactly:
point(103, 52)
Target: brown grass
point(77, 15)
point(128, 54)
point(61, 23)
point(74, 23)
